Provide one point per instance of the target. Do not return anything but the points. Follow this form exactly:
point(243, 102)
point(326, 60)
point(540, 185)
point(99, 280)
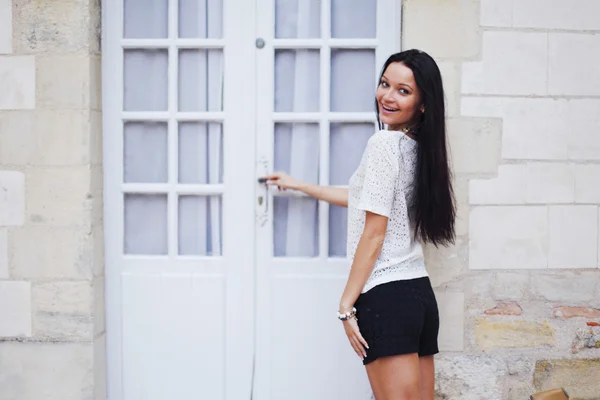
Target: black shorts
point(399, 317)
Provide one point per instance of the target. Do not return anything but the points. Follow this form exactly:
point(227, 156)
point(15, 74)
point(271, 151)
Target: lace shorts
point(399, 317)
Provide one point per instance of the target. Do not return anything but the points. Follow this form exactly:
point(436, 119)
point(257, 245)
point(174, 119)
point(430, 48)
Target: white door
point(316, 79)
point(215, 288)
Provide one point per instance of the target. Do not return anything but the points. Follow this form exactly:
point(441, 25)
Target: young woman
point(400, 195)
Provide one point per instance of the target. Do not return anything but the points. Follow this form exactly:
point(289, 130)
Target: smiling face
point(398, 97)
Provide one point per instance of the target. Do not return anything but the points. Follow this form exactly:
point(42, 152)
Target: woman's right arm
point(332, 195)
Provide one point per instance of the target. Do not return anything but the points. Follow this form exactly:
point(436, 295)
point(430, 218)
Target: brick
point(475, 145)
point(497, 13)
point(53, 27)
point(578, 377)
point(33, 371)
point(59, 196)
point(469, 377)
point(565, 77)
point(505, 308)
point(526, 125)
point(587, 183)
point(584, 123)
point(518, 241)
point(510, 285)
point(557, 14)
point(571, 312)
point(550, 183)
point(17, 79)
point(574, 287)
point(573, 237)
point(513, 334)
point(12, 198)
point(452, 320)
point(64, 82)
point(3, 254)
point(509, 187)
point(15, 309)
point(497, 73)
point(461, 40)
point(44, 252)
point(6, 27)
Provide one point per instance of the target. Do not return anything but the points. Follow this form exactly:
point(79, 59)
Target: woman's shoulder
point(384, 139)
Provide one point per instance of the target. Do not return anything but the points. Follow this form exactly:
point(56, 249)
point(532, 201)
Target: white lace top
point(382, 184)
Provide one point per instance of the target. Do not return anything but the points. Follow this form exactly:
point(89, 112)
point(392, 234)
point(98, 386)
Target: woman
point(400, 195)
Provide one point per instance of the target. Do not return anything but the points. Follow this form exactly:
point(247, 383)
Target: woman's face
point(398, 97)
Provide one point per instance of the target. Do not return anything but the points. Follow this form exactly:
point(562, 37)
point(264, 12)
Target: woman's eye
point(403, 91)
point(384, 84)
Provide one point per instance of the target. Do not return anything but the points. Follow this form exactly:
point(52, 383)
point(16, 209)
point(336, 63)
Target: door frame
point(239, 182)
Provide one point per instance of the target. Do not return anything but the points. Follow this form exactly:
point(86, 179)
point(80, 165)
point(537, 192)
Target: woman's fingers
point(361, 339)
point(357, 347)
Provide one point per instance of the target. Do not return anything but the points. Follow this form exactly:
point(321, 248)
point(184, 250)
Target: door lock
point(260, 43)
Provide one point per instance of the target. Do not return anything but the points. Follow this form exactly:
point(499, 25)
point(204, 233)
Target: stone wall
point(51, 266)
point(522, 283)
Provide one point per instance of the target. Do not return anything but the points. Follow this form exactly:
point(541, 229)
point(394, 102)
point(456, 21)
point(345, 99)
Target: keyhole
point(260, 200)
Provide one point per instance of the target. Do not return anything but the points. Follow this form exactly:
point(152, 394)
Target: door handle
point(262, 198)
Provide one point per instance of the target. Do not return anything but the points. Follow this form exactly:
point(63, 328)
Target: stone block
point(445, 264)
point(550, 183)
point(566, 287)
point(512, 334)
point(12, 198)
point(566, 77)
point(6, 27)
point(475, 145)
point(468, 377)
point(99, 306)
point(587, 183)
point(519, 239)
point(59, 196)
point(505, 308)
point(54, 27)
point(17, 79)
point(556, 14)
point(509, 187)
point(578, 377)
point(510, 285)
point(497, 13)
point(96, 138)
point(452, 320)
point(44, 252)
point(535, 129)
point(100, 380)
point(64, 82)
point(70, 297)
point(17, 136)
point(15, 309)
point(584, 125)
point(3, 254)
point(461, 39)
point(571, 312)
point(34, 371)
point(461, 192)
point(451, 78)
point(573, 237)
point(497, 73)
point(586, 338)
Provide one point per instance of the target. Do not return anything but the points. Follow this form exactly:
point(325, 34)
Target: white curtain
point(200, 144)
point(297, 87)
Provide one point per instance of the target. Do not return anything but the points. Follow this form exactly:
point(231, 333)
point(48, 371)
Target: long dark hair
point(433, 209)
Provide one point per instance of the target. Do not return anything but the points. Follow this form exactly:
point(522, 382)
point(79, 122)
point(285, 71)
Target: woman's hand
point(282, 181)
point(358, 343)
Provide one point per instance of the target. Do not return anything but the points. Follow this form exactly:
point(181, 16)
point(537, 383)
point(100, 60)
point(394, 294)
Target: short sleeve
point(380, 176)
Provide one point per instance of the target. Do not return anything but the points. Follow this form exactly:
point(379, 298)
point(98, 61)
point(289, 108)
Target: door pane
point(145, 19)
point(200, 152)
point(200, 80)
point(347, 143)
point(352, 80)
point(200, 227)
point(145, 224)
point(297, 19)
point(145, 80)
point(297, 80)
point(145, 152)
point(296, 218)
point(353, 18)
point(201, 19)
point(338, 228)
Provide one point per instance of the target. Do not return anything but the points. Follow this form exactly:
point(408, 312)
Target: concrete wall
point(518, 289)
point(51, 266)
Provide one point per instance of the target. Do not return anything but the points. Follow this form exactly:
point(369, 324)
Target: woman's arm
point(367, 251)
point(333, 195)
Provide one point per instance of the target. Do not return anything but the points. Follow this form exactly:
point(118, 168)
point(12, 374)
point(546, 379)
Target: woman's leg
point(427, 377)
point(395, 377)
